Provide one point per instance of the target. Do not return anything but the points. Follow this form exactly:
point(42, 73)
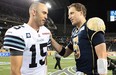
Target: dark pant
point(57, 63)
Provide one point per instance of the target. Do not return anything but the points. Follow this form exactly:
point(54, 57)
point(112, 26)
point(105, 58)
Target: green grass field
point(4, 67)
point(65, 62)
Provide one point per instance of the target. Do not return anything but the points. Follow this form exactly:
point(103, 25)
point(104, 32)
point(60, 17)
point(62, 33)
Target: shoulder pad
point(15, 30)
point(96, 24)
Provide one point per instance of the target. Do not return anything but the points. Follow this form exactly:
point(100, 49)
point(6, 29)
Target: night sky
point(97, 8)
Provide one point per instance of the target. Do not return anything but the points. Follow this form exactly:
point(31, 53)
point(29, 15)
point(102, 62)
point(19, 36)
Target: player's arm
point(100, 49)
point(15, 43)
point(101, 53)
point(100, 46)
point(102, 57)
point(16, 62)
point(63, 51)
point(97, 26)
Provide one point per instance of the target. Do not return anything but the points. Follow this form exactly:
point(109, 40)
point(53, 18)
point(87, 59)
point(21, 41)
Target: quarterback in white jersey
point(28, 43)
point(32, 43)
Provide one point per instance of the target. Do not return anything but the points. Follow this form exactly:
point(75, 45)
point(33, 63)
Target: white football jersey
point(33, 44)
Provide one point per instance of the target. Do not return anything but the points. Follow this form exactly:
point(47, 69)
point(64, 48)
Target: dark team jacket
point(87, 62)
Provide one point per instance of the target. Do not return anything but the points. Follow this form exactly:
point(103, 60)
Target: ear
point(81, 12)
point(34, 12)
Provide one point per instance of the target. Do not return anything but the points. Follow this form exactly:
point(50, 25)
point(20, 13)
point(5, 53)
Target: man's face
point(74, 15)
point(41, 14)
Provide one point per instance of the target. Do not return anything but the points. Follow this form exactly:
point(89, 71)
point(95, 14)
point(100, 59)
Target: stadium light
point(35, 0)
point(48, 5)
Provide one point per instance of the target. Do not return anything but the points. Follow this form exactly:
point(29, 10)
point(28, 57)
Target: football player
point(28, 43)
point(87, 42)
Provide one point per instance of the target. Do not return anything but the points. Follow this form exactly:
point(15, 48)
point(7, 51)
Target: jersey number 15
point(33, 58)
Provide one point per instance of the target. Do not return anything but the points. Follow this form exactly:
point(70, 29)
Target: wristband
point(62, 52)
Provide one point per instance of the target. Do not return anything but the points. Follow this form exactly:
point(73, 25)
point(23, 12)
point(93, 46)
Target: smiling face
point(74, 16)
point(77, 14)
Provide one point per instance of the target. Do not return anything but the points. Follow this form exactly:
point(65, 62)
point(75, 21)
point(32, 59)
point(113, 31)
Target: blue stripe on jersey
point(7, 39)
point(13, 44)
point(14, 41)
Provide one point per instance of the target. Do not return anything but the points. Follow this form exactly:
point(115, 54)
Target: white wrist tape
point(102, 66)
point(79, 73)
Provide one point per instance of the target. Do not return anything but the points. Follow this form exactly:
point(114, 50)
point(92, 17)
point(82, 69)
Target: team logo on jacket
point(76, 47)
point(28, 35)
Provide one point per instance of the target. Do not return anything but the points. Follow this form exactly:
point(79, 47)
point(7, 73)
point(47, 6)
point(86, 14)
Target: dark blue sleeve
point(70, 46)
point(98, 38)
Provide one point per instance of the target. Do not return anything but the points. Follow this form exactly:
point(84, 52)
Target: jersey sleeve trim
point(14, 42)
point(15, 52)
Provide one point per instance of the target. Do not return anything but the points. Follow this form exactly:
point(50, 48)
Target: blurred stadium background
point(15, 12)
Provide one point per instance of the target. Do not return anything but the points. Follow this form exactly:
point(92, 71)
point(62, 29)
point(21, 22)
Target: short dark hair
point(79, 7)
